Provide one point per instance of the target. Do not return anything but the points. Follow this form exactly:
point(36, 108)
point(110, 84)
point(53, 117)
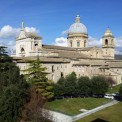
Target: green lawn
point(114, 89)
point(72, 106)
point(110, 114)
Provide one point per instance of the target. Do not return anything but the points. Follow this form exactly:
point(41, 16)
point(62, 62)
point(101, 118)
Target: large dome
point(77, 27)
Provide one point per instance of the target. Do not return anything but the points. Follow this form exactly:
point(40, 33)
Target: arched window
point(36, 43)
point(22, 50)
point(62, 74)
point(85, 43)
point(78, 43)
point(70, 43)
point(106, 42)
point(36, 46)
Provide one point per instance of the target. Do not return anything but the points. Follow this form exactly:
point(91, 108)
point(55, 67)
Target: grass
point(114, 89)
point(110, 114)
point(71, 106)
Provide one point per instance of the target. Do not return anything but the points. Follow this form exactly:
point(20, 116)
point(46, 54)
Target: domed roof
point(77, 27)
point(108, 32)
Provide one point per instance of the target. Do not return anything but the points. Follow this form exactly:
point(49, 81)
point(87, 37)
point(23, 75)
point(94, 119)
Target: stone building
point(78, 57)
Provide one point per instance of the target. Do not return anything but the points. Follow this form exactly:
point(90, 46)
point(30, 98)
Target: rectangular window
point(78, 44)
point(53, 68)
point(71, 43)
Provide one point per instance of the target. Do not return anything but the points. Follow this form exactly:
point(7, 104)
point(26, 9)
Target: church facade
point(77, 57)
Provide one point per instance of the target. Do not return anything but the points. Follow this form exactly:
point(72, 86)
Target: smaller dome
point(108, 32)
point(77, 27)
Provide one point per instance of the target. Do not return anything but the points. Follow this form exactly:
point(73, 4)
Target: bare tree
point(111, 82)
point(34, 108)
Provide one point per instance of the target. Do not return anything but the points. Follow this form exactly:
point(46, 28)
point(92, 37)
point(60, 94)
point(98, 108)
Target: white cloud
point(8, 31)
point(31, 29)
point(61, 41)
point(118, 52)
point(118, 45)
point(118, 41)
point(94, 42)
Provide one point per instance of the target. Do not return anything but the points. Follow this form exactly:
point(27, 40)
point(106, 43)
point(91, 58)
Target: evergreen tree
point(84, 85)
point(36, 76)
point(3, 55)
point(2, 51)
point(120, 92)
point(13, 89)
point(99, 85)
point(70, 84)
point(59, 87)
point(61, 81)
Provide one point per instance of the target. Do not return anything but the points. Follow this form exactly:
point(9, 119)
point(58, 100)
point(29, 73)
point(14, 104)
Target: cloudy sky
point(52, 18)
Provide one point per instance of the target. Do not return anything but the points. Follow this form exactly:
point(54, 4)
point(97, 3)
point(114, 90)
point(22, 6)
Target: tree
point(3, 55)
point(120, 92)
point(61, 81)
point(36, 76)
point(41, 90)
point(13, 89)
point(110, 82)
point(12, 101)
point(99, 85)
point(34, 108)
point(2, 51)
point(84, 85)
point(70, 84)
point(58, 90)
point(59, 87)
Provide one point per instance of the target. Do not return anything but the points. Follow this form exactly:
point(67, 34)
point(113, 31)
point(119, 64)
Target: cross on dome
point(77, 19)
point(23, 25)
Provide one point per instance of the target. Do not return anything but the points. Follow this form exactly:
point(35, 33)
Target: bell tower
point(27, 43)
point(108, 44)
